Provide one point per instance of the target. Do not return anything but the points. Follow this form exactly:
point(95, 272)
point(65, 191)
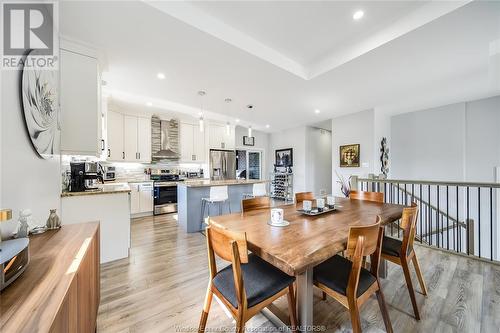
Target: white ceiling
point(401, 56)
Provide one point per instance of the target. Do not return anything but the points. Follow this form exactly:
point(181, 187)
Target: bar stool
point(218, 196)
point(258, 190)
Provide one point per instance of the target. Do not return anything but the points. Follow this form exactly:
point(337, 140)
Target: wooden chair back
point(301, 196)
point(230, 246)
point(248, 205)
point(368, 196)
point(363, 241)
point(409, 226)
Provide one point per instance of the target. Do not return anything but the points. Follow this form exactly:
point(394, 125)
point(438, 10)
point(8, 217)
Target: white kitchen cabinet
point(115, 136)
point(129, 138)
point(141, 198)
point(144, 139)
point(135, 206)
point(80, 91)
point(192, 143)
point(146, 197)
point(219, 138)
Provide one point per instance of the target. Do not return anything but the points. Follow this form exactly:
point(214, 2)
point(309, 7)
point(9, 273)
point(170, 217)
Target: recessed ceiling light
point(149, 104)
point(358, 15)
point(317, 111)
point(267, 126)
point(237, 120)
point(161, 76)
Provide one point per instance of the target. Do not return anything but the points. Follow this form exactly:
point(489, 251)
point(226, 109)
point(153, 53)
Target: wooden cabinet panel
point(199, 148)
point(67, 318)
point(186, 142)
point(146, 197)
point(87, 295)
point(134, 199)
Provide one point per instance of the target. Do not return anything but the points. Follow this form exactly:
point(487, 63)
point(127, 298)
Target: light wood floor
point(161, 288)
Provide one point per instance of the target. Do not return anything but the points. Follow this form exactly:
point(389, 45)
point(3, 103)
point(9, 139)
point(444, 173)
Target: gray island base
point(189, 197)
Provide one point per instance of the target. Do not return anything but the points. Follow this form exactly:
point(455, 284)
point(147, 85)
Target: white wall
point(457, 142)
point(318, 160)
point(292, 138)
point(261, 143)
point(356, 128)
point(27, 181)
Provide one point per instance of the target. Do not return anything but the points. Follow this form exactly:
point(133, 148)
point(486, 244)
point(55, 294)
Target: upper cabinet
point(192, 143)
point(81, 122)
point(129, 138)
point(220, 137)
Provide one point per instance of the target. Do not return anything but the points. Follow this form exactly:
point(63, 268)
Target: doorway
point(249, 164)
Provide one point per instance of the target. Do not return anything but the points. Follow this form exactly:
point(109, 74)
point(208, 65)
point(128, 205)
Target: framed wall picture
point(349, 156)
point(284, 157)
point(248, 140)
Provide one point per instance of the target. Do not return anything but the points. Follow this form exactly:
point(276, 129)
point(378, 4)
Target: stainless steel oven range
point(165, 193)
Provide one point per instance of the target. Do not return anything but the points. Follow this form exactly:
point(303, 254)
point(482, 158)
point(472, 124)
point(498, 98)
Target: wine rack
point(282, 186)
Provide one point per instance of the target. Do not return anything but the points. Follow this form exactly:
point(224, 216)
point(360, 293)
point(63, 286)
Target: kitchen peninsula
point(192, 192)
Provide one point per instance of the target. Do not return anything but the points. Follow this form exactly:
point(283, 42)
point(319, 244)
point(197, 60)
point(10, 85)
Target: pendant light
point(201, 122)
point(228, 125)
point(249, 131)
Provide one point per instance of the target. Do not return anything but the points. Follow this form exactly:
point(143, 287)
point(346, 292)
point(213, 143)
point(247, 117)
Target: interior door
point(115, 136)
point(254, 165)
point(130, 138)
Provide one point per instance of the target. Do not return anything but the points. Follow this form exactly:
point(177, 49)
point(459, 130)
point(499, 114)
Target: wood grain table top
point(31, 302)
point(308, 240)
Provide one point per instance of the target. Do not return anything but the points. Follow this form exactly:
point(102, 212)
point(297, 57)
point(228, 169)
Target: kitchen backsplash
point(135, 171)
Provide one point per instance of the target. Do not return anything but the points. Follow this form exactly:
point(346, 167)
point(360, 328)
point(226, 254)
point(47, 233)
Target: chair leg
point(355, 319)
point(240, 323)
point(206, 310)
point(292, 307)
point(409, 284)
point(383, 309)
point(419, 274)
point(229, 206)
point(323, 296)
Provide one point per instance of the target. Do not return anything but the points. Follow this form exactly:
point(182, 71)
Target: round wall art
point(39, 89)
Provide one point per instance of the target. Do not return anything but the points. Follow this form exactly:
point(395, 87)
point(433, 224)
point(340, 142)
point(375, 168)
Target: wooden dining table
point(307, 240)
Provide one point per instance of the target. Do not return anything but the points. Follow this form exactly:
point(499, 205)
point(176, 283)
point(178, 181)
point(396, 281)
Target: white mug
point(307, 205)
point(330, 201)
point(277, 216)
point(320, 202)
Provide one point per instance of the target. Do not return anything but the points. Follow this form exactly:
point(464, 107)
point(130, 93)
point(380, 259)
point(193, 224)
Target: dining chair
point(246, 286)
point(368, 196)
point(248, 205)
point(401, 252)
point(301, 196)
point(347, 281)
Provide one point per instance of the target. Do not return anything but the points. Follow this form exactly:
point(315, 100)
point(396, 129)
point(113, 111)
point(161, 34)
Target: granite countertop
point(103, 189)
point(204, 183)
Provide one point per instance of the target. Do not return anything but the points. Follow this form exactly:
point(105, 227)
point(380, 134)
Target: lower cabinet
point(141, 198)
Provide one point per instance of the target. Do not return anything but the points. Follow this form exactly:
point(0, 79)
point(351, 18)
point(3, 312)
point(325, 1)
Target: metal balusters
point(437, 217)
point(448, 220)
point(420, 208)
point(479, 218)
point(491, 224)
point(467, 224)
point(429, 216)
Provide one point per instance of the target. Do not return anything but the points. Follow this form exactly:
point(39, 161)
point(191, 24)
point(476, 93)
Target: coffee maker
point(84, 176)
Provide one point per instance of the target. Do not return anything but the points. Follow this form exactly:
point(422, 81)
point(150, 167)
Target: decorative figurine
point(24, 221)
point(53, 222)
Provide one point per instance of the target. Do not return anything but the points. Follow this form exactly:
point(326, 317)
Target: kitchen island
point(110, 205)
point(190, 193)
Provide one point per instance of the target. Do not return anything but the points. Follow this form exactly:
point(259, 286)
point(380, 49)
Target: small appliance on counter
point(14, 255)
point(84, 176)
point(108, 173)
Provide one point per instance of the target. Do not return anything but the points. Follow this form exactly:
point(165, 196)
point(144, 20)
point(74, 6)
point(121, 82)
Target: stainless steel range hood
point(164, 139)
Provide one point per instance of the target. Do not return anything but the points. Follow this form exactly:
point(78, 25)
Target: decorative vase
point(53, 222)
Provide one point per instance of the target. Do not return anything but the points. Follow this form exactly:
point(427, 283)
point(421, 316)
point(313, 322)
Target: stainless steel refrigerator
point(222, 164)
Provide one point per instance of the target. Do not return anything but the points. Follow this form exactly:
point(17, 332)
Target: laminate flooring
point(161, 288)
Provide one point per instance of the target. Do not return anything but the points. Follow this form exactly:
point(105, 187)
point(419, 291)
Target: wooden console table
point(59, 291)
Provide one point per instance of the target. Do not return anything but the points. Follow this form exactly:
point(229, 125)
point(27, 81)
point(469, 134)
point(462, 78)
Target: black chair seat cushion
point(391, 246)
point(261, 280)
point(334, 273)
